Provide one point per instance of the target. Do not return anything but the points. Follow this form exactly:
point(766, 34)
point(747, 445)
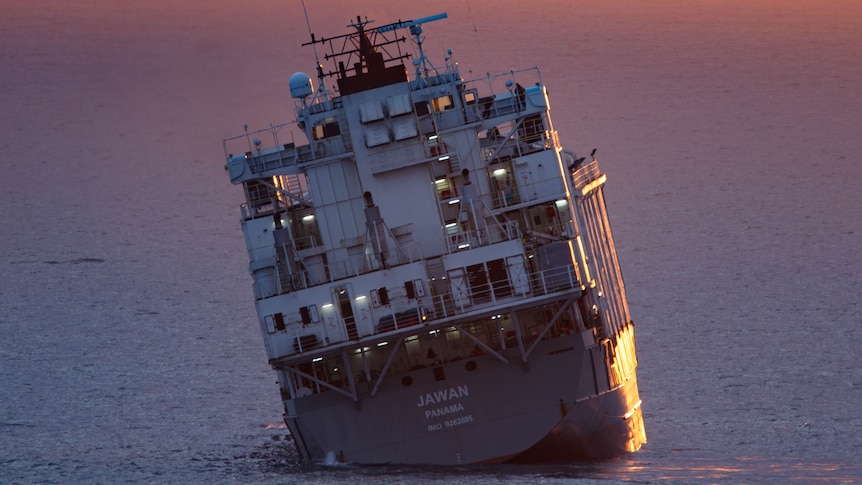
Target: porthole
point(406, 381)
point(471, 365)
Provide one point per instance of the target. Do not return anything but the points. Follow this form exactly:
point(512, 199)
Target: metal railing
point(403, 314)
point(496, 292)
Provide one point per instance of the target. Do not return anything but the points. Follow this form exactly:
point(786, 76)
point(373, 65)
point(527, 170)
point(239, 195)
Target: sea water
point(729, 130)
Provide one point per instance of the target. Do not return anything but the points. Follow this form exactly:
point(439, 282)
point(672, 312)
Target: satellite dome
point(300, 85)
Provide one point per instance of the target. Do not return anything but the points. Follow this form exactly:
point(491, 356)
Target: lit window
point(442, 103)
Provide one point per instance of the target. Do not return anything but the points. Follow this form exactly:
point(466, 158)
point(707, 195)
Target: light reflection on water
point(685, 466)
point(735, 470)
point(739, 469)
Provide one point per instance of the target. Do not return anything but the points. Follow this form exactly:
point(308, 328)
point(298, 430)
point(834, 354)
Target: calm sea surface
point(730, 130)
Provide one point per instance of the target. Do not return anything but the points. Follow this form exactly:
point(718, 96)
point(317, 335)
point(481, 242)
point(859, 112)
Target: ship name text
point(443, 395)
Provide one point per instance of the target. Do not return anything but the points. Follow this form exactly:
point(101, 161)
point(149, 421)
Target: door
point(345, 309)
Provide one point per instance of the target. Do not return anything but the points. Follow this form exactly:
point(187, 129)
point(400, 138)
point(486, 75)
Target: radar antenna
point(416, 31)
point(321, 84)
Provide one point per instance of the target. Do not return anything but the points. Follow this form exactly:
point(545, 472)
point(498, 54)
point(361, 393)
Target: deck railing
point(437, 308)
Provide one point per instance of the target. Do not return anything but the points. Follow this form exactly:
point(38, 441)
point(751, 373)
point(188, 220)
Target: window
point(327, 129)
point(443, 103)
point(470, 97)
point(422, 108)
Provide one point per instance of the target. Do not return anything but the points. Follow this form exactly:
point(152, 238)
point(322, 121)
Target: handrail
point(269, 137)
point(447, 305)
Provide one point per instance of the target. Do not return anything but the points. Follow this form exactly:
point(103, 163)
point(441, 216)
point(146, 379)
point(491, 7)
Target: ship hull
point(605, 426)
point(559, 406)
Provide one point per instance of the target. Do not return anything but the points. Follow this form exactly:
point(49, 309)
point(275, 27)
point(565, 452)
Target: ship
point(434, 274)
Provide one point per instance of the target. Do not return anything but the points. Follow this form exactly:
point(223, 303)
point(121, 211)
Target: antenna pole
point(321, 85)
point(415, 28)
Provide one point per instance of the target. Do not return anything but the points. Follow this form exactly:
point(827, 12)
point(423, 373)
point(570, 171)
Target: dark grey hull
point(570, 401)
point(593, 429)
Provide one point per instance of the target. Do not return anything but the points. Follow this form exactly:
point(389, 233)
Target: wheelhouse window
point(443, 103)
point(471, 97)
point(327, 129)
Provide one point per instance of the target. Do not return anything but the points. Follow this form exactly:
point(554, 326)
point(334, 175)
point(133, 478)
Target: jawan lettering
point(442, 395)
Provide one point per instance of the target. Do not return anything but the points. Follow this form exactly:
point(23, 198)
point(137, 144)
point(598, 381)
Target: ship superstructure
point(435, 276)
